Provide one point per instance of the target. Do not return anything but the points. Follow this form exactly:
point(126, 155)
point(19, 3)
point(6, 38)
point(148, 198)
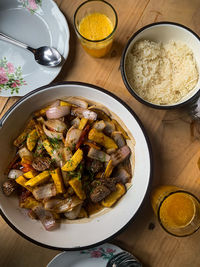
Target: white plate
point(102, 226)
point(36, 23)
point(98, 257)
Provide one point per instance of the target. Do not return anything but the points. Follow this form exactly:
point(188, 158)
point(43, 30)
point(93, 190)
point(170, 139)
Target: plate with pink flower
point(97, 256)
point(36, 23)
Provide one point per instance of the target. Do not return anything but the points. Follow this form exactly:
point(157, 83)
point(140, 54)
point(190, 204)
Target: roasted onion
point(57, 112)
point(13, 174)
point(77, 101)
point(52, 134)
point(56, 125)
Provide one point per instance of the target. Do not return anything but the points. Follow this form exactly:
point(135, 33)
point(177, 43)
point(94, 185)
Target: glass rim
point(107, 37)
point(159, 207)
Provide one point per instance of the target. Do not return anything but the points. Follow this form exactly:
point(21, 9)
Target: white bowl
point(164, 32)
point(97, 230)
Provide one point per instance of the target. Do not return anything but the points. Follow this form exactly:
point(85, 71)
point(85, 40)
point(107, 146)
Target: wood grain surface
point(175, 151)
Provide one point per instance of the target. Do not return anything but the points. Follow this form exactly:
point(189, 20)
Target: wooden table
point(176, 152)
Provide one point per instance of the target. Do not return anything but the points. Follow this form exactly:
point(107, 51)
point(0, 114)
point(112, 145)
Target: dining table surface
point(173, 136)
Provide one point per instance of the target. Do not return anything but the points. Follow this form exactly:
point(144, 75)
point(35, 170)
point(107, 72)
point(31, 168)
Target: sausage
point(9, 187)
point(99, 193)
point(110, 183)
point(41, 163)
point(94, 165)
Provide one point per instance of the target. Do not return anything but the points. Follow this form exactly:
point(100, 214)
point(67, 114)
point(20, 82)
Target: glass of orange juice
point(177, 210)
point(95, 23)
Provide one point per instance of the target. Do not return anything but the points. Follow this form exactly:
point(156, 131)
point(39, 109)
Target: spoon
point(47, 56)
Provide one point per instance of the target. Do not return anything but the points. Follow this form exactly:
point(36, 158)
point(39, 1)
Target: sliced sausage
point(9, 187)
point(41, 163)
point(99, 193)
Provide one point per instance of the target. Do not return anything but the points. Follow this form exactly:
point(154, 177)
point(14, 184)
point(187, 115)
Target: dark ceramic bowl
point(164, 32)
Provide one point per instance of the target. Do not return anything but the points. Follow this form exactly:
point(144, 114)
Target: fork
point(123, 259)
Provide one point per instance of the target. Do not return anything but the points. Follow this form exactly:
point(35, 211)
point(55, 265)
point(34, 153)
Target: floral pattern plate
point(97, 256)
point(36, 23)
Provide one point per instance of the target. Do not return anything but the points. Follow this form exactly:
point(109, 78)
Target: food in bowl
point(161, 73)
point(72, 160)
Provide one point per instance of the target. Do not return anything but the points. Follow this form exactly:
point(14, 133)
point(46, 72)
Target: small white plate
point(98, 257)
point(36, 23)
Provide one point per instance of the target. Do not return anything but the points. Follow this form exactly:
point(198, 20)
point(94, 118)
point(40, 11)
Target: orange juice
point(96, 27)
point(177, 210)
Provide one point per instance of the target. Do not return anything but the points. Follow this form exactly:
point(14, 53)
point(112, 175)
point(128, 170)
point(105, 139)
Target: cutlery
point(47, 56)
point(123, 259)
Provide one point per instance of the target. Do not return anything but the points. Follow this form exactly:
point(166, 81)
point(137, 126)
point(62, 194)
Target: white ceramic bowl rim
point(122, 67)
point(34, 92)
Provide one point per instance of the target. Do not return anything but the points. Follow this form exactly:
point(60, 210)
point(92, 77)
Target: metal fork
point(123, 259)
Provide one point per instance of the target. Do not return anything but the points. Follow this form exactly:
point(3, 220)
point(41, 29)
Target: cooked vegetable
point(29, 203)
point(99, 125)
point(77, 101)
point(39, 148)
point(26, 167)
point(91, 144)
point(56, 125)
point(47, 145)
point(98, 154)
point(32, 139)
point(63, 103)
point(110, 127)
point(50, 204)
point(77, 187)
point(119, 139)
point(22, 181)
point(13, 174)
point(120, 155)
point(30, 174)
point(67, 204)
point(101, 138)
point(102, 113)
point(25, 153)
point(41, 112)
point(52, 134)
point(46, 217)
point(57, 112)
point(110, 200)
point(123, 175)
point(84, 113)
point(40, 131)
point(72, 164)
point(44, 191)
point(57, 178)
point(82, 136)
point(74, 213)
point(72, 137)
point(76, 122)
point(67, 153)
point(39, 179)
point(83, 123)
point(72, 160)
point(120, 129)
point(109, 169)
point(22, 137)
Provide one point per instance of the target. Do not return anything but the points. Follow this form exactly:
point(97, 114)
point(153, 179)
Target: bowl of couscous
point(160, 65)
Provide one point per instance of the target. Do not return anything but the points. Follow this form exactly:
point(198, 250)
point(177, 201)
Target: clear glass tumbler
point(96, 47)
point(177, 210)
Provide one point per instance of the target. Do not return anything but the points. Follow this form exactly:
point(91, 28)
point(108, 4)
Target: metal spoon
point(44, 55)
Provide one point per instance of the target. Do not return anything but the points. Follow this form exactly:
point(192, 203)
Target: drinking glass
point(96, 48)
point(177, 210)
